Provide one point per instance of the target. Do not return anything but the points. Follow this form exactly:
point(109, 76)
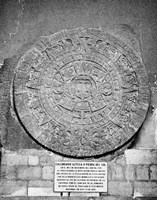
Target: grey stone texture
point(98, 99)
point(148, 189)
point(25, 20)
point(132, 175)
point(142, 156)
point(136, 19)
point(76, 198)
point(29, 173)
point(130, 172)
point(153, 172)
point(124, 180)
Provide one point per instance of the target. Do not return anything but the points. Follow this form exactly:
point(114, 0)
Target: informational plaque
point(80, 177)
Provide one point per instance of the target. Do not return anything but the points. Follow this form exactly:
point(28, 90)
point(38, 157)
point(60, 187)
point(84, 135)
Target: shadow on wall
point(0, 158)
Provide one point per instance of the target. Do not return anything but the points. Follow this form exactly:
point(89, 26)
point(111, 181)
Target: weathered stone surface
point(56, 157)
point(114, 198)
point(50, 159)
point(14, 159)
point(117, 172)
point(84, 194)
point(40, 183)
point(74, 198)
point(130, 172)
point(7, 172)
point(13, 188)
point(33, 160)
point(142, 172)
point(145, 198)
point(120, 160)
point(32, 198)
point(146, 189)
point(47, 172)
point(46, 160)
point(29, 173)
point(142, 156)
point(85, 91)
point(42, 191)
point(33, 152)
point(153, 172)
point(120, 188)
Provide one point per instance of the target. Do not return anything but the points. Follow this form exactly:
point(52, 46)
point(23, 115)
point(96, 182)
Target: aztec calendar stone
point(81, 92)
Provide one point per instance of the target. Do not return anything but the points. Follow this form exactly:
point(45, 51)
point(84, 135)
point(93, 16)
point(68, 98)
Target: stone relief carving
point(81, 92)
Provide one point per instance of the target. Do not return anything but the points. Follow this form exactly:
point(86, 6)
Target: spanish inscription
point(81, 92)
point(80, 177)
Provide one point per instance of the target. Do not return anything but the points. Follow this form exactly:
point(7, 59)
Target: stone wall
point(31, 173)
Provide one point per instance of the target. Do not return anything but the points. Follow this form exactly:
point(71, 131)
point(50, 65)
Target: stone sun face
point(81, 92)
point(82, 87)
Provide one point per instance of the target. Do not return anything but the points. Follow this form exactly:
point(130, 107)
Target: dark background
point(21, 21)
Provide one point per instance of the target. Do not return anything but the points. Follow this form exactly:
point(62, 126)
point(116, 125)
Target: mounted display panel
point(81, 92)
point(80, 177)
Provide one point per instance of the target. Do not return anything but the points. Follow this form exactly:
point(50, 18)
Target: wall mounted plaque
point(80, 177)
point(81, 92)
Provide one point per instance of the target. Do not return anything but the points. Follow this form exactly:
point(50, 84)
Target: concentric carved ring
point(81, 92)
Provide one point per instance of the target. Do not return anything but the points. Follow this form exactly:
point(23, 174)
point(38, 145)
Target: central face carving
point(82, 87)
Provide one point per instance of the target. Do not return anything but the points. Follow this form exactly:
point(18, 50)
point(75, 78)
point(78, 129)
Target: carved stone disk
point(81, 92)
